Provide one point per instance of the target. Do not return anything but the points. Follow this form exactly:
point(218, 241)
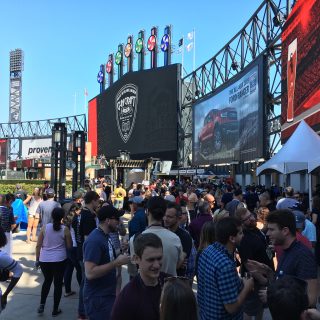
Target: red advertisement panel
point(92, 126)
point(301, 67)
point(3, 152)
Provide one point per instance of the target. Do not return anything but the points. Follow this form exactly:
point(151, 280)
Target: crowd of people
point(241, 251)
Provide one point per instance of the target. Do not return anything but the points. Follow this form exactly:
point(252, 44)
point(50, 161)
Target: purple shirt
point(196, 226)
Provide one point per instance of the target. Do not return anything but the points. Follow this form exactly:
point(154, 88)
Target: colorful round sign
point(109, 66)
point(118, 57)
point(127, 50)
point(152, 41)
point(100, 76)
point(139, 45)
point(165, 43)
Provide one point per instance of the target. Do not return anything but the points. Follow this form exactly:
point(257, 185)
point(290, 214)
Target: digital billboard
point(300, 78)
point(3, 152)
point(138, 113)
point(229, 125)
point(36, 148)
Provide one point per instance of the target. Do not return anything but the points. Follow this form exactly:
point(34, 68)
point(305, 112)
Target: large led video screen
point(301, 67)
point(229, 125)
point(138, 113)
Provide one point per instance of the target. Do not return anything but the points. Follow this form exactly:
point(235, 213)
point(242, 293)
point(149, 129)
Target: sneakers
point(41, 309)
point(82, 317)
point(55, 313)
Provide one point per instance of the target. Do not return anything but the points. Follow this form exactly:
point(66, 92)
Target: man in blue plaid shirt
point(221, 292)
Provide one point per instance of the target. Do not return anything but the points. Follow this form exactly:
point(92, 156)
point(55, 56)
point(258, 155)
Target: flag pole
point(85, 100)
point(182, 56)
point(75, 103)
point(194, 49)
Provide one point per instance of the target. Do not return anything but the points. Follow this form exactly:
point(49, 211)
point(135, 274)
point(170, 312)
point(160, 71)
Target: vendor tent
point(300, 152)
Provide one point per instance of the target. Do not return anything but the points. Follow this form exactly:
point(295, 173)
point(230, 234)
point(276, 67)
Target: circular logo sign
point(118, 57)
point(165, 43)
point(100, 76)
point(70, 165)
point(109, 66)
point(127, 50)
point(152, 41)
point(139, 45)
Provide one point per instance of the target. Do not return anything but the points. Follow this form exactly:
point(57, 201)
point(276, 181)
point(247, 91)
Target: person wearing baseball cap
point(100, 264)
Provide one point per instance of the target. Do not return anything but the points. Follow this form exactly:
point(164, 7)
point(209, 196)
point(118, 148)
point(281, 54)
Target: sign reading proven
point(36, 148)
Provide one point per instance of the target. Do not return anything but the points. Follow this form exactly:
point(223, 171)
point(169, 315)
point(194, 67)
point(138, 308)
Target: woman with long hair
point(72, 261)
point(207, 237)
point(178, 301)
point(51, 255)
point(33, 218)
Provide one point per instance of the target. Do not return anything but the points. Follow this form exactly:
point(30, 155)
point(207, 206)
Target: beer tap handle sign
point(291, 78)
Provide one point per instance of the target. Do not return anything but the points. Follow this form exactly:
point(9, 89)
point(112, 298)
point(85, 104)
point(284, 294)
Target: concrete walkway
point(24, 300)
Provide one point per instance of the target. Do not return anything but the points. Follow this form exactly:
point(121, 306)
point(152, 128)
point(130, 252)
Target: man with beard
point(100, 264)
point(171, 221)
point(253, 246)
point(297, 260)
point(140, 298)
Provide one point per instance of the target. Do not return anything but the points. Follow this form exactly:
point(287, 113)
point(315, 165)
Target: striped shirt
point(6, 218)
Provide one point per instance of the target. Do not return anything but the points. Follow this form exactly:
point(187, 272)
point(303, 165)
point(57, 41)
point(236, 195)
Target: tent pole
point(310, 190)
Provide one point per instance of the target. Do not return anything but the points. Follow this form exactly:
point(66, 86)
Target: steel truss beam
point(260, 36)
point(16, 132)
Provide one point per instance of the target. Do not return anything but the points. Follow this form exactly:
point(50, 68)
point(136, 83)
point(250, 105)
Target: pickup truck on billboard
point(220, 126)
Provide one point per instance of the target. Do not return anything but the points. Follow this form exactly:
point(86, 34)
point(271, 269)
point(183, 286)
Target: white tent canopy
point(300, 152)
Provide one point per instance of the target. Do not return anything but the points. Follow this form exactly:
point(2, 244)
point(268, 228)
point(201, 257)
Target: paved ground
point(24, 299)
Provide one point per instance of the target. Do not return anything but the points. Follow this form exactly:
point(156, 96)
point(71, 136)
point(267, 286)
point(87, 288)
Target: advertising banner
point(300, 78)
point(36, 148)
point(228, 126)
point(138, 114)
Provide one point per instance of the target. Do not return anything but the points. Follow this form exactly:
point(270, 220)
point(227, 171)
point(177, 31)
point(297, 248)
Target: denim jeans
point(99, 308)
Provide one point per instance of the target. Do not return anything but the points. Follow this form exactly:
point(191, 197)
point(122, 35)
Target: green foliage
point(27, 185)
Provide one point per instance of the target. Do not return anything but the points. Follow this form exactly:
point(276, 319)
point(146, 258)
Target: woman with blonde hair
point(33, 218)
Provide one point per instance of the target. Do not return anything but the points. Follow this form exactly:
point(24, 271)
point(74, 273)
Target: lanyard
point(112, 250)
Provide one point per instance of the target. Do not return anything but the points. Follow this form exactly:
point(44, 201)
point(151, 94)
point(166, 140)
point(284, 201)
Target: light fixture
point(78, 142)
point(57, 136)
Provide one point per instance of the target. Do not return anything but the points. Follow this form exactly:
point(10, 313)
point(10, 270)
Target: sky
point(65, 42)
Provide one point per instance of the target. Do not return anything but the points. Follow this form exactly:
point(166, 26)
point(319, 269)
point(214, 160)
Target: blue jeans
point(99, 308)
